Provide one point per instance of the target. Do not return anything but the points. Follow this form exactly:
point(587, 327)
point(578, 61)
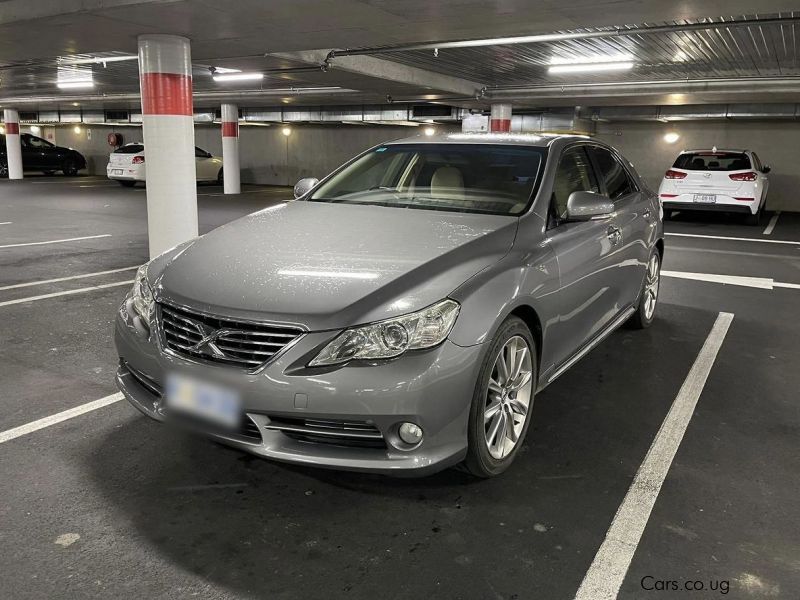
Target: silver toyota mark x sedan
point(400, 315)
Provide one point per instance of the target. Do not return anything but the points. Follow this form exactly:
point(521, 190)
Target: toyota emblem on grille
point(209, 335)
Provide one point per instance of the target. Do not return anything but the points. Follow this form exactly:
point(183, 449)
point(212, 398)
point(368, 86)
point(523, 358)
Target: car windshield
point(712, 161)
point(476, 178)
point(129, 149)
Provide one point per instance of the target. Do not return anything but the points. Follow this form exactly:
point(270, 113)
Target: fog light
point(410, 433)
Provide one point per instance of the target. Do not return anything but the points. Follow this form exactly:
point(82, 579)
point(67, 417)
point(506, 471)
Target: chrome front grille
point(329, 431)
point(222, 340)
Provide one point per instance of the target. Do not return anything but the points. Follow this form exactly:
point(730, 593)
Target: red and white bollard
point(13, 147)
point(500, 121)
point(165, 77)
point(230, 149)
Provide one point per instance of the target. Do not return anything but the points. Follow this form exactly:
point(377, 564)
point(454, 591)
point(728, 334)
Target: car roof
point(541, 140)
point(717, 150)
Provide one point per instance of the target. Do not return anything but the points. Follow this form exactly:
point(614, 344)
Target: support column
point(165, 77)
point(500, 121)
point(13, 147)
point(230, 149)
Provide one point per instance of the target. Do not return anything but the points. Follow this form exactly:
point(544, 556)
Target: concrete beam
point(381, 68)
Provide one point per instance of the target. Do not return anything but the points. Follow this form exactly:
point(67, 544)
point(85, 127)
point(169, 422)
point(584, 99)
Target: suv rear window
point(713, 161)
point(129, 149)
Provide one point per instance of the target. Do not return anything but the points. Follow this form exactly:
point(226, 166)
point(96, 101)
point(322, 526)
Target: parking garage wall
point(774, 141)
point(267, 156)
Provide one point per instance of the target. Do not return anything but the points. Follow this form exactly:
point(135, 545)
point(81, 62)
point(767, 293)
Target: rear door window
point(618, 182)
point(712, 161)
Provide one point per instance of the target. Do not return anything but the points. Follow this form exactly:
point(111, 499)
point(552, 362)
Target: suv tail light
point(137, 160)
point(674, 174)
point(749, 176)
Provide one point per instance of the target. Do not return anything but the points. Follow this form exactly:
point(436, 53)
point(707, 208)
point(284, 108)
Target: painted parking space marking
point(736, 239)
point(71, 413)
point(65, 293)
point(763, 283)
point(59, 279)
point(771, 225)
point(610, 565)
point(76, 239)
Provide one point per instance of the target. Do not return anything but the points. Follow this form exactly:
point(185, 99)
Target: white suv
point(721, 180)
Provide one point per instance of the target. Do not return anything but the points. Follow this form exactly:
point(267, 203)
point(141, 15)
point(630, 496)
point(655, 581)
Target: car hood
point(328, 266)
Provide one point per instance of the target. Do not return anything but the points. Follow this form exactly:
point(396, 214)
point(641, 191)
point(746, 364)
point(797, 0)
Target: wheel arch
point(530, 317)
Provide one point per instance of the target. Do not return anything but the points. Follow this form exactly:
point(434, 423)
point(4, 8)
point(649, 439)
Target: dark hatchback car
point(41, 155)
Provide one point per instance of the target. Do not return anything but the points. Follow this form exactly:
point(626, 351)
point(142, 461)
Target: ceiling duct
point(696, 112)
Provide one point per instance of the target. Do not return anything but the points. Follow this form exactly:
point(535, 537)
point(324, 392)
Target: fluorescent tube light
point(238, 77)
point(74, 85)
point(590, 67)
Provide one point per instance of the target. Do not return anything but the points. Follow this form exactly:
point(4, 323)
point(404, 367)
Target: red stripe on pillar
point(12, 128)
point(230, 129)
point(499, 125)
point(166, 94)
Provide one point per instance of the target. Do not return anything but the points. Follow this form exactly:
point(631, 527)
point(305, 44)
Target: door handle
point(614, 234)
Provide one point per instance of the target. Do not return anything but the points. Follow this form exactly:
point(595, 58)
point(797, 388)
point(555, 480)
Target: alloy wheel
point(651, 287)
point(508, 397)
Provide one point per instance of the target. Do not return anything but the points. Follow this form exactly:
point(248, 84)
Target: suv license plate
point(705, 198)
point(116, 171)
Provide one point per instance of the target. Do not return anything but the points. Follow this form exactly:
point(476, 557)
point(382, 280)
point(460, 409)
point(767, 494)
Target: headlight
point(387, 339)
point(142, 295)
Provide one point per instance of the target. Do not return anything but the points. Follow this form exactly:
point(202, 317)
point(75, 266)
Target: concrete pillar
point(500, 121)
point(13, 147)
point(230, 149)
point(165, 77)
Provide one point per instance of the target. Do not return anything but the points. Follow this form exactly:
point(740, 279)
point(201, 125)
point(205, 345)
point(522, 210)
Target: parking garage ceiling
point(716, 52)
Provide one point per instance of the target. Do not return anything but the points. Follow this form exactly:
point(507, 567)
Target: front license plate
point(116, 171)
point(705, 198)
point(208, 401)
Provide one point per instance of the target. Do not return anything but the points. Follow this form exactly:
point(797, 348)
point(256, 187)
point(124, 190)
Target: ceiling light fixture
point(76, 129)
point(588, 60)
point(223, 70)
point(238, 77)
point(74, 85)
point(429, 131)
point(287, 131)
point(672, 137)
point(35, 129)
point(93, 60)
point(590, 67)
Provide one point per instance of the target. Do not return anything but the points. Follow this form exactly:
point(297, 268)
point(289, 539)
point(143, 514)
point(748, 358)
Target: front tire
point(503, 400)
point(70, 168)
point(126, 182)
point(648, 297)
point(220, 178)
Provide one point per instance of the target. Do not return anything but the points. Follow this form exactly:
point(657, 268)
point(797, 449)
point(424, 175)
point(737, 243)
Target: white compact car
point(127, 165)
point(721, 180)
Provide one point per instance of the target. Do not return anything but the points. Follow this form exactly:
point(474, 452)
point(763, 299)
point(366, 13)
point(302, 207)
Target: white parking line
point(16, 432)
point(59, 279)
point(610, 565)
point(87, 237)
point(65, 293)
point(737, 239)
point(771, 225)
point(763, 283)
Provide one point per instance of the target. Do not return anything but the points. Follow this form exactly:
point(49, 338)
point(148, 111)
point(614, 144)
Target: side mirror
point(305, 185)
point(584, 206)
point(766, 169)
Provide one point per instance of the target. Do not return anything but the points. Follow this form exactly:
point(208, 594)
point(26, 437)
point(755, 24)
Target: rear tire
point(648, 297)
point(503, 400)
point(126, 183)
point(220, 178)
point(755, 219)
point(49, 172)
point(3, 169)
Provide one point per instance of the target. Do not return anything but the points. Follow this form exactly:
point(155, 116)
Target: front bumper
point(433, 389)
